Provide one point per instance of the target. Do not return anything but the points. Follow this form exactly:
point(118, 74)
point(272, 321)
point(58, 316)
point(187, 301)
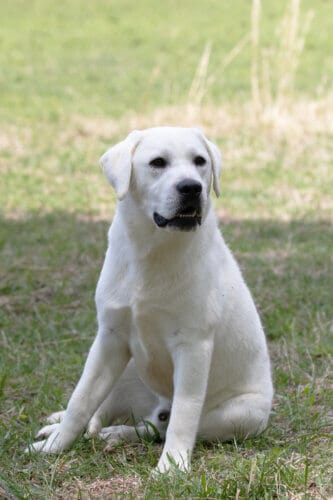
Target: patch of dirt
point(101, 488)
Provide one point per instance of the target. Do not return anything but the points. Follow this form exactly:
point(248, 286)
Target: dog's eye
point(158, 162)
point(199, 161)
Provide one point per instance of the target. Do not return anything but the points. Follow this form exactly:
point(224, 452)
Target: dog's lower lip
point(161, 221)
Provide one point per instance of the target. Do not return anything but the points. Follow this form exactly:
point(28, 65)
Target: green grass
point(104, 58)
point(76, 77)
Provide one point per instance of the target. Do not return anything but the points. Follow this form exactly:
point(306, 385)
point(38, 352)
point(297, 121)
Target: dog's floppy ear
point(216, 160)
point(117, 163)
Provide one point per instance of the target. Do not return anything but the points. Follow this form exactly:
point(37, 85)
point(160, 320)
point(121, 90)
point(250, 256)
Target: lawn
point(76, 77)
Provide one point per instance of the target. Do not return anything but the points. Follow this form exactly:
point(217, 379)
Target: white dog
point(179, 340)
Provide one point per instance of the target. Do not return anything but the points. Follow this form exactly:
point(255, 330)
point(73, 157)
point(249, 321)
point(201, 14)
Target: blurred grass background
point(75, 78)
point(105, 58)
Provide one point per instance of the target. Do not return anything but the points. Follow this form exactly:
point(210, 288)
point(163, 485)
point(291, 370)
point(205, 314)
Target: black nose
point(189, 188)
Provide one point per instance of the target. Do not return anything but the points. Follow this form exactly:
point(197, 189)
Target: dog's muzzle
point(188, 215)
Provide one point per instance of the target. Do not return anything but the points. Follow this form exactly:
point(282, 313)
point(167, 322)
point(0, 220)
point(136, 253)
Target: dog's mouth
point(184, 220)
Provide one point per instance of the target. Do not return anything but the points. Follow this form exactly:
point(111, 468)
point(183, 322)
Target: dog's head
point(168, 171)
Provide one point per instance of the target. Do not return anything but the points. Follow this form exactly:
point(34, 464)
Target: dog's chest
point(166, 305)
point(154, 332)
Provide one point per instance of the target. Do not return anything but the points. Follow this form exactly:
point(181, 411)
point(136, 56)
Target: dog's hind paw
point(56, 417)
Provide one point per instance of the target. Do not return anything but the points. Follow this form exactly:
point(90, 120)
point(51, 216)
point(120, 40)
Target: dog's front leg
point(191, 372)
point(106, 360)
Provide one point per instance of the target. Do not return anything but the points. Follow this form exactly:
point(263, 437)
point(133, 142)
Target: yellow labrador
point(179, 340)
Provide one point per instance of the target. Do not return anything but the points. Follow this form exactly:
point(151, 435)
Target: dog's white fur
point(177, 326)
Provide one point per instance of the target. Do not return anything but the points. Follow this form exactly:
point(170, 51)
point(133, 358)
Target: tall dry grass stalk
point(199, 83)
point(274, 115)
point(273, 71)
point(274, 102)
point(255, 37)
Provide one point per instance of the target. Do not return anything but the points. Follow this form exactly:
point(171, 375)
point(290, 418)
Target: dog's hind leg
point(129, 402)
point(117, 434)
point(237, 418)
point(153, 425)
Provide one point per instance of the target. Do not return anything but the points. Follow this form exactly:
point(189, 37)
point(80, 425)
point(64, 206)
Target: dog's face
point(168, 171)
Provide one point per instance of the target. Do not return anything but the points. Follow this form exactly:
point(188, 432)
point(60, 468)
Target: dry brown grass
point(111, 488)
point(304, 126)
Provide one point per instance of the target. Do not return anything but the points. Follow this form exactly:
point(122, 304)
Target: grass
point(78, 77)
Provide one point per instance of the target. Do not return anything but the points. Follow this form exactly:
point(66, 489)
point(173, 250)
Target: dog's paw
point(94, 427)
point(116, 434)
point(46, 431)
point(172, 463)
point(56, 417)
point(57, 441)
point(112, 436)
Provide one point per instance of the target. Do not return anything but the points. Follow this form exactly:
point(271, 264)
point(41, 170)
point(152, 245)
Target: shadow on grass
point(56, 259)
